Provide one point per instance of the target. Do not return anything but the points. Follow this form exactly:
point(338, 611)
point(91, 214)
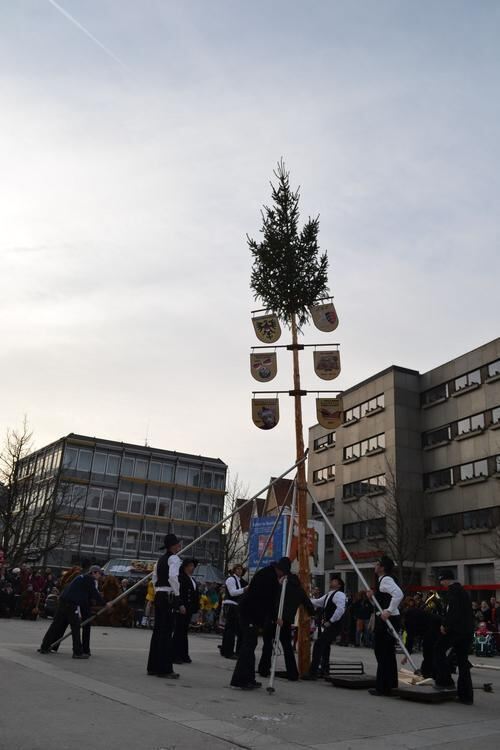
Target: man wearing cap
point(166, 583)
point(189, 598)
point(74, 604)
point(257, 609)
point(457, 630)
point(333, 605)
point(389, 596)
point(235, 588)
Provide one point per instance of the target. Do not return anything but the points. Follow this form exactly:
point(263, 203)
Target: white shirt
point(339, 599)
point(174, 564)
point(234, 587)
point(388, 585)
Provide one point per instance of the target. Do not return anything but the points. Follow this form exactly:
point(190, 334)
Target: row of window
point(469, 379)
point(40, 466)
point(484, 518)
point(326, 474)
point(358, 411)
point(134, 542)
point(114, 465)
point(356, 450)
point(326, 441)
point(374, 527)
point(370, 486)
point(463, 473)
point(462, 427)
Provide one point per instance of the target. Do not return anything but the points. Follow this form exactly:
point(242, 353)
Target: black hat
point(169, 541)
point(188, 561)
point(446, 575)
point(284, 565)
point(386, 563)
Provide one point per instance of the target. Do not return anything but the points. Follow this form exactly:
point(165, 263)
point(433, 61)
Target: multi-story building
point(124, 498)
point(420, 452)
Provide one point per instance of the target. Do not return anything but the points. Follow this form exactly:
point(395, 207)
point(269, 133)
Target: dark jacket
point(458, 618)
point(295, 597)
point(188, 596)
point(82, 591)
point(258, 604)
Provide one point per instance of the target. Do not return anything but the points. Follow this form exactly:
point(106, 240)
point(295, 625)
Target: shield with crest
point(329, 412)
point(324, 316)
point(263, 366)
point(265, 413)
point(267, 328)
point(327, 364)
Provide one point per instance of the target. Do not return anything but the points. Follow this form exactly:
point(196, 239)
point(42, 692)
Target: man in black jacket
point(457, 632)
point(189, 598)
point(74, 604)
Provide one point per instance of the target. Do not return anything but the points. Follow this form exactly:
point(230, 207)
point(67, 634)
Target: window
point(495, 415)
point(113, 465)
point(141, 468)
point(213, 550)
point(352, 414)
point(167, 472)
point(206, 479)
point(84, 460)
point(94, 498)
point(122, 501)
point(325, 441)
point(194, 477)
point(352, 451)
point(438, 479)
point(190, 512)
point(480, 575)
point(438, 393)
point(329, 542)
point(443, 524)
point(159, 540)
point(70, 458)
point(494, 369)
point(478, 519)
point(155, 471)
point(474, 470)
point(164, 507)
point(103, 536)
point(177, 509)
point(327, 473)
point(375, 443)
point(79, 494)
point(216, 514)
point(364, 529)
point(88, 535)
point(127, 466)
point(147, 539)
point(151, 506)
point(181, 475)
point(117, 539)
point(136, 503)
point(99, 463)
point(434, 437)
point(203, 513)
point(470, 378)
point(469, 424)
point(131, 541)
point(108, 500)
point(219, 482)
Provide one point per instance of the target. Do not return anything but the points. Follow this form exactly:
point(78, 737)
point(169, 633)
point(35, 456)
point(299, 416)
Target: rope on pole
point(270, 687)
point(361, 577)
point(111, 604)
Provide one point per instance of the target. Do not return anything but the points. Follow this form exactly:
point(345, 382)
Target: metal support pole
point(188, 546)
point(361, 577)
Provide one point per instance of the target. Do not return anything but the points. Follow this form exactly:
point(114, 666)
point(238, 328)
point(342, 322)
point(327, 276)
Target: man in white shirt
point(389, 596)
point(235, 588)
point(333, 605)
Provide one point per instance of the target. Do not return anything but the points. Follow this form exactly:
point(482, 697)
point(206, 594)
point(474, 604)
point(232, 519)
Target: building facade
point(416, 465)
point(124, 498)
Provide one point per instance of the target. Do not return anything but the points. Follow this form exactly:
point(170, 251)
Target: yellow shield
point(327, 364)
point(265, 412)
point(324, 316)
point(267, 328)
point(263, 366)
point(329, 412)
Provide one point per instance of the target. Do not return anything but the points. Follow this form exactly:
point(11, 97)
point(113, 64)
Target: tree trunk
point(304, 649)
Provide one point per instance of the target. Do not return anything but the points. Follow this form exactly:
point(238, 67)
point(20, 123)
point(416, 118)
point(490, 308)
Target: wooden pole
point(304, 648)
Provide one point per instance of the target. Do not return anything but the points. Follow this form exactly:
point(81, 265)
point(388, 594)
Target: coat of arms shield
point(329, 412)
point(267, 328)
point(263, 366)
point(324, 316)
point(265, 413)
point(327, 364)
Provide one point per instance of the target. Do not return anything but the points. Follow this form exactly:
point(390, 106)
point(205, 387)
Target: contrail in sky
point(87, 33)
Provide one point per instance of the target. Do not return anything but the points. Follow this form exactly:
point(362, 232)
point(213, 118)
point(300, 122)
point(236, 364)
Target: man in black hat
point(166, 582)
point(189, 598)
point(333, 605)
point(235, 588)
point(73, 606)
point(258, 607)
point(457, 631)
point(389, 596)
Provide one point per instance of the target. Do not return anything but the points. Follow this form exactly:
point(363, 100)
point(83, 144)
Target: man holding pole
point(389, 596)
point(333, 605)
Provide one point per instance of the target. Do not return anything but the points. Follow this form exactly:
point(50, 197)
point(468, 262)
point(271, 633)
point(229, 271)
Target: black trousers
point(232, 631)
point(66, 614)
point(180, 641)
point(244, 671)
point(322, 645)
point(461, 646)
point(385, 653)
point(267, 651)
point(161, 646)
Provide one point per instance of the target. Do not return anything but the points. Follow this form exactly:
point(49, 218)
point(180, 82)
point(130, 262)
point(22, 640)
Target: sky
point(131, 172)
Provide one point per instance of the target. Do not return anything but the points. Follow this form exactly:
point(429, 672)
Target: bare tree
point(36, 515)
point(234, 538)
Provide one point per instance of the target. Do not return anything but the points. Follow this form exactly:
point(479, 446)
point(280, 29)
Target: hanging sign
point(267, 328)
point(263, 366)
point(329, 412)
point(265, 412)
point(327, 364)
point(324, 316)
